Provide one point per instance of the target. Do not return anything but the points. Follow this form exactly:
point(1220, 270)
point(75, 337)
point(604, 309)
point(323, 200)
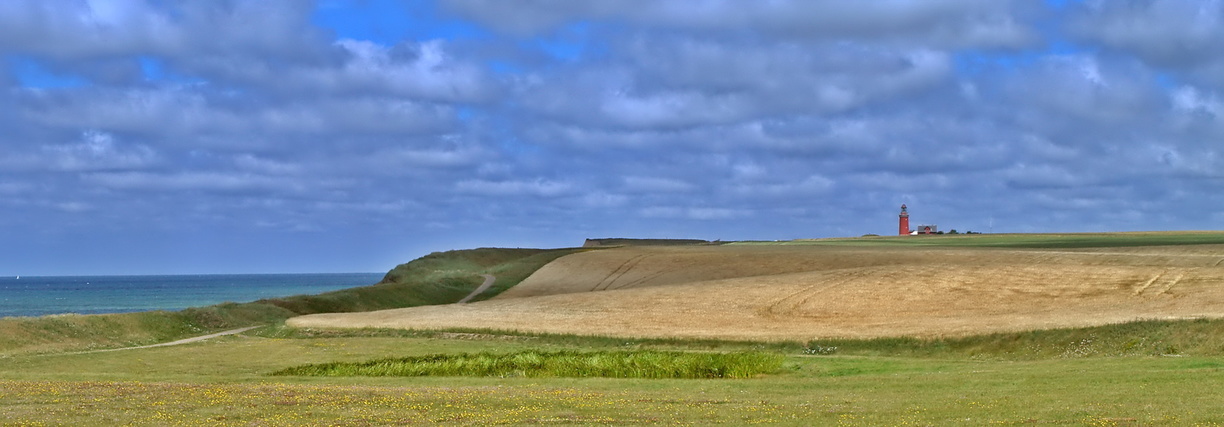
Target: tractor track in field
point(617, 273)
point(1160, 284)
point(642, 279)
point(775, 310)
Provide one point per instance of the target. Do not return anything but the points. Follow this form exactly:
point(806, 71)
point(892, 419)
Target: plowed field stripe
point(1148, 284)
point(622, 269)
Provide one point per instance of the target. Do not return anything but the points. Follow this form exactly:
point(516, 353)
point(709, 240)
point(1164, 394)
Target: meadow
point(1135, 372)
point(228, 382)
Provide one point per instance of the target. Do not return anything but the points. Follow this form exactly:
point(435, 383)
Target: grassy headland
point(437, 278)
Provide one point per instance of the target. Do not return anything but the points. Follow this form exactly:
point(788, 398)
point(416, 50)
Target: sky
point(269, 136)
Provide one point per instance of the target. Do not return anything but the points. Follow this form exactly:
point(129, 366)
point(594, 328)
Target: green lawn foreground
point(227, 382)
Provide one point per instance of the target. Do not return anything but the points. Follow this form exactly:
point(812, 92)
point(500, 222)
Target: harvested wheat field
point(800, 292)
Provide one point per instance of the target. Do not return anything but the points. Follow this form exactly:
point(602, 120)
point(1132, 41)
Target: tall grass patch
point(570, 364)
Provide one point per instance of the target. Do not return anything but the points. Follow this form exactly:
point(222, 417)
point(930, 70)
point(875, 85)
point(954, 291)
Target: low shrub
point(532, 363)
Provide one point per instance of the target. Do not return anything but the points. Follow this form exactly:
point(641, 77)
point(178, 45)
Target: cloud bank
point(253, 136)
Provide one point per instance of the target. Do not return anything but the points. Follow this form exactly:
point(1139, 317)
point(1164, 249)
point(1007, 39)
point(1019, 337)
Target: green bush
point(533, 363)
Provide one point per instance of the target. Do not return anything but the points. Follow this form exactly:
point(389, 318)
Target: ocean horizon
point(27, 296)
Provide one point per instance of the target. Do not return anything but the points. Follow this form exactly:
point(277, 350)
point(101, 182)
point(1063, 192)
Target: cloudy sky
point(145, 137)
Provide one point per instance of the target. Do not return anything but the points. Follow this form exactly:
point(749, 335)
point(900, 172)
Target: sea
point(44, 295)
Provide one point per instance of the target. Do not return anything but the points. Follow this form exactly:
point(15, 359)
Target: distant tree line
point(953, 231)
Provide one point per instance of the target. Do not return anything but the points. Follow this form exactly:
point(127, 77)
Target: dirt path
point(488, 282)
point(179, 342)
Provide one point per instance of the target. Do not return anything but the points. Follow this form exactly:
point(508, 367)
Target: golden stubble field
point(801, 292)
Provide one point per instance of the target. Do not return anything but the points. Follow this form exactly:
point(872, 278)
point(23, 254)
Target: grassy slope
point(1068, 376)
point(438, 278)
point(1198, 338)
point(1033, 241)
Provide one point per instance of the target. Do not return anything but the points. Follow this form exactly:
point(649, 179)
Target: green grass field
point(228, 381)
point(1140, 373)
point(1030, 241)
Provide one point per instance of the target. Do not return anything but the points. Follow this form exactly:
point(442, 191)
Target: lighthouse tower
point(903, 226)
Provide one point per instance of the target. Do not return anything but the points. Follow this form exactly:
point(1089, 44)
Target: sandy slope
point(803, 292)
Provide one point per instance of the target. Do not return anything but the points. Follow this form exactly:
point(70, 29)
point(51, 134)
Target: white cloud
point(1190, 100)
point(626, 116)
point(97, 151)
point(694, 213)
point(655, 185)
point(187, 181)
point(255, 164)
point(811, 186)
point(671, 83)
point(514, 188)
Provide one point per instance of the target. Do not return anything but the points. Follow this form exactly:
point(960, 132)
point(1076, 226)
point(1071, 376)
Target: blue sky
point(148, 137)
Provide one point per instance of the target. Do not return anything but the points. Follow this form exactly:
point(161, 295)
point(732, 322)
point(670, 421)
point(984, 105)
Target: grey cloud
point(514, 188)
point(92, 150)
point(801, 187)
point(464, 156)
point(655, 185)
point(675, 118)
point(142, 111)
point(249, 46)
point(182, 116)
point(252, 163)
point(15, 188)
point(963, 23)
point(673, 83)
point(428, 72)
point(1177, 36)
point(1197, 112)
point(1084, 88)
point(1174, 33)
point(190, 181)
point(694, 213)
point(99, 151)
point(68, 30)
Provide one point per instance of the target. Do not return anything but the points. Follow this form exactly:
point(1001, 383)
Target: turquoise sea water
point(37, 296)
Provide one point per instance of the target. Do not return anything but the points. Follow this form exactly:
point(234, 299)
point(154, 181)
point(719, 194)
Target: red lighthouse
point(903, 226)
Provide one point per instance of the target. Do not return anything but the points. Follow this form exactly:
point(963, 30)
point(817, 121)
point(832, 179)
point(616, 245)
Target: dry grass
point(804, 292)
